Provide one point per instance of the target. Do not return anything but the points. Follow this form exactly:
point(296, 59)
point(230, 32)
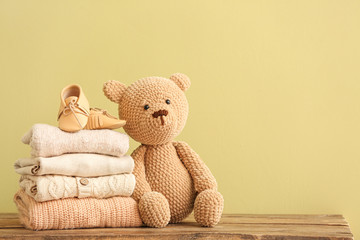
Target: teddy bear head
point(155, 108)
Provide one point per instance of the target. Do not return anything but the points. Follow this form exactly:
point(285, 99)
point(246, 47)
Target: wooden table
point(325, 227)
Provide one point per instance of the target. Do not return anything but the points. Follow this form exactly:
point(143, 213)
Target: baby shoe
point(74, 109)
point(101, 119)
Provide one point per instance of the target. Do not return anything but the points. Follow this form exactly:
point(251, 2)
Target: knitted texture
point(209, 205)
point(203, 179)
point(154, 209)
point(113, 90)
point(51, 187)
point(164, 170)
point(76, 164)
point(181, 80)
point(169, 175)
point(47, 141)
point(140, 123)
point(77, 213)
point(143, 185)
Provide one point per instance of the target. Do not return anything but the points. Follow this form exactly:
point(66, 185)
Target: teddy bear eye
point(146, 107)
point(167, 101)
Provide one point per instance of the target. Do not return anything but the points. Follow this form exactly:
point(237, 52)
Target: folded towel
point(47, 141)
point(77, 164)
point(77, 213)
point(51, 187)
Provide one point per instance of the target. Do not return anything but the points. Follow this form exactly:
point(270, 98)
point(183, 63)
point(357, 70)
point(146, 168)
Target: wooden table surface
point(325, 227)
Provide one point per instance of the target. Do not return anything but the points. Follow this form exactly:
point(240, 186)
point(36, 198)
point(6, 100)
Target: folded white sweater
point(47, 141)
point(80, 165)
point(51, 187)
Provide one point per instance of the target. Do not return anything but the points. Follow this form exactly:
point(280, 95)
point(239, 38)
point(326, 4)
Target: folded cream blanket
point(51, 187)
point(77, 164)
point(77, 212)
point(47, 141)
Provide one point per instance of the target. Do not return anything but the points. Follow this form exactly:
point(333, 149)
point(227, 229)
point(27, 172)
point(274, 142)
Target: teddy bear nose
point(160, 113)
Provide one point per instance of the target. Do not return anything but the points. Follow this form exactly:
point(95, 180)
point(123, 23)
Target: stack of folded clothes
point(76, 180)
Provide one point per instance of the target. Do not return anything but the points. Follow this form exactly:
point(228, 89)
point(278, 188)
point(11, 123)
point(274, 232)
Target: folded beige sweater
point(80, 165)
point(77, 213)
point(51, 187)
point(47, 141)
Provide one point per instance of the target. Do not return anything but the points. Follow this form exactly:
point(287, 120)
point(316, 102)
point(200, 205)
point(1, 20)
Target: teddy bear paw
point(208, 208)
point(154, 209)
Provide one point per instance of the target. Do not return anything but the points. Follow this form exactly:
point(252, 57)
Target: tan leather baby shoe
point(101, 119)
point(74, 109)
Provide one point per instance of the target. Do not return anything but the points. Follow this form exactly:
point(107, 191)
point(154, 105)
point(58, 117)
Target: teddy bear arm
point(142, 186)
point(200, 173)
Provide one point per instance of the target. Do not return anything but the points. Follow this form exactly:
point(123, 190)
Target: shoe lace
point(73, 107)
point(104, 112)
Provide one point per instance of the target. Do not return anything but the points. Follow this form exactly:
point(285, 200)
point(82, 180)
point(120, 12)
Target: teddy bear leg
point(154, 209)
point(208, 208)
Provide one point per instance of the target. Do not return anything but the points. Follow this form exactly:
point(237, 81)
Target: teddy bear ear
point(114, 90)
point(181, 80)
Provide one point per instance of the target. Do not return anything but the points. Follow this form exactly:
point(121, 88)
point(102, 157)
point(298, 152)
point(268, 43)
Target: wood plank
point(252, 229)
point(258, 231)
point(245, 226)
point(8, 215)
point(251, 218)
point(282, 219)
point(10, 223)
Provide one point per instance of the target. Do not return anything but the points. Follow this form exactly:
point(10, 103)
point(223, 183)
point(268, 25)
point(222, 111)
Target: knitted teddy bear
point(171, 179)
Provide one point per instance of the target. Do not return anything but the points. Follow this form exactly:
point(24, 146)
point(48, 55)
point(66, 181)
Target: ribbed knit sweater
point(77, 213)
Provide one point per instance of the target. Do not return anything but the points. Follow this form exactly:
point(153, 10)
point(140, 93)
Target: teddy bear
point(171, 178)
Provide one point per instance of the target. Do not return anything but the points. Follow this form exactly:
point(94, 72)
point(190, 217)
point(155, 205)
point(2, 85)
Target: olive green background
point(274, 101)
